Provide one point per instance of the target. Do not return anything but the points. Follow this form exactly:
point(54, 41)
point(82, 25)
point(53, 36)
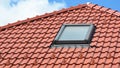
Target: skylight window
point(74, 34)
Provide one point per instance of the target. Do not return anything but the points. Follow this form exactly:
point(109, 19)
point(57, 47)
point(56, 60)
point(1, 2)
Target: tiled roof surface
point(26, 44)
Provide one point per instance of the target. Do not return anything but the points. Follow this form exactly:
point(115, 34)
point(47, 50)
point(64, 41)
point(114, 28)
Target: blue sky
point(14, 10)
point(114, 4)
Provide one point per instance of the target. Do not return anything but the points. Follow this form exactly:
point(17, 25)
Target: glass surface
point(74, 32)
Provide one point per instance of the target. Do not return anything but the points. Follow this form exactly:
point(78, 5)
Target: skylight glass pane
point(74, 33)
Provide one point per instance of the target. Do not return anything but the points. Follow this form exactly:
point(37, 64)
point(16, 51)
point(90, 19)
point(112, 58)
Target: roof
point(27, 43)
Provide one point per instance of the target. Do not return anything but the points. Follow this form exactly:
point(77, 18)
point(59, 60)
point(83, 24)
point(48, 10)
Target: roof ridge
point(95, 6)
point(41, 16)
point(102, 8)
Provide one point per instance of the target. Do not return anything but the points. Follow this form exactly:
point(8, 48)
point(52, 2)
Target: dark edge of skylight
point(70, 45)
point(90, 33)
point(87, 40)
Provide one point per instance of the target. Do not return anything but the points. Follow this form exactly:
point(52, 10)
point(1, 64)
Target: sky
point(14, 10)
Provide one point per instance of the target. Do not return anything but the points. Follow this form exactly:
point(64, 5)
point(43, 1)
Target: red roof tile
point(26, 43)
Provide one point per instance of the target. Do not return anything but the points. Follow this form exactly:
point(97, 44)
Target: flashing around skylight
point(74, 35)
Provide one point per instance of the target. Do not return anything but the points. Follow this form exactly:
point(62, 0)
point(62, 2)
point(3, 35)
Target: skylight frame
point(87, 38)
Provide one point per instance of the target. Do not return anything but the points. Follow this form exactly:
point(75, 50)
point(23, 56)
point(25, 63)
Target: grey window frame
point(86, 41)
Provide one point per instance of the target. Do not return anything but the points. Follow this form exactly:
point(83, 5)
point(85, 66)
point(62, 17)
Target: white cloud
point(25, 9)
